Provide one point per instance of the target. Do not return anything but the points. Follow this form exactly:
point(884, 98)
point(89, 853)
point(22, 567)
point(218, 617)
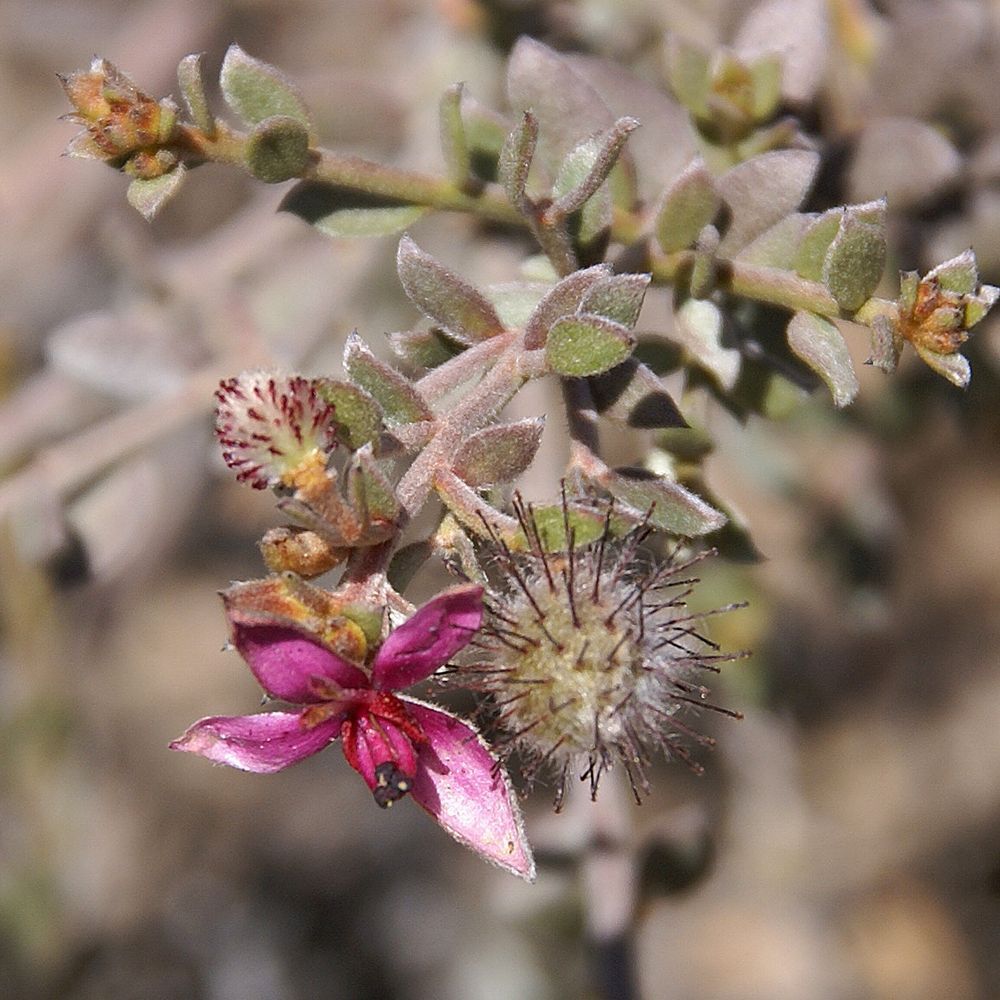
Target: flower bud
point(275, 430)
point(935, 313)
point(299, 550)
point(119, 120)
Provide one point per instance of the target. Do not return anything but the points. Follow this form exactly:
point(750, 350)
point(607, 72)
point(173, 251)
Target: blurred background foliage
point(844, 842)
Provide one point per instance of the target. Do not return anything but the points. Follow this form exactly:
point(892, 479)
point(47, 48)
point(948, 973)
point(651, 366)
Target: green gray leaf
point(516, 156)
point(671, 507)
point(699, 328)
point(855, 261)
point(149, 196)
point(256, 90)
point(277, 149)
point(689, 204)
point(358, 416)
point(192, 85)
point(954, 367)
point(400, 401)
point(444, 297)
point(454, 145)
point(337, 211)
point(764, 190)
point(688, 74)
point(498, 454)
point(586, 344)
point(424, 348)
point(588, 165)
point(632, 395)
point(780, 245)
point(815, 243)
point(563, 300)
point(821, 346)
point(372, 495)
point(959, 274)
point(515, 301)
point(618, 298)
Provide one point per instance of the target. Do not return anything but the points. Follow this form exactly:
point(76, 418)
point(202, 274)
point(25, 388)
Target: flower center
point(378, 738)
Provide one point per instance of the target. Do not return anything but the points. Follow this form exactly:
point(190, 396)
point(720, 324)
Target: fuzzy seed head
point(592, 658)
point(275, 430)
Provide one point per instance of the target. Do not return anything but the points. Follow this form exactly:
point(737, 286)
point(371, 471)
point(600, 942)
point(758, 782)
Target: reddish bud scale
point(272, 427)
point(936, 319)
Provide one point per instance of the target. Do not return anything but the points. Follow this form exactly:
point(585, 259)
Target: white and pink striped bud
point(275, 430)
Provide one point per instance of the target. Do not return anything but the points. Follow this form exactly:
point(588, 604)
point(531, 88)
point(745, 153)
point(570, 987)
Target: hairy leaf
point(399, 400)
point(764, 190)
point(424, 348)
point(855, 261)
point(821, 346)
point(498, 454)
point(819, 234)
point(445, 297)
point(192, 85)
point(149, 196)
point(954, 367)
point(563, 300)
point(959, 274)
point(632, 395)
point(516, 156)
point(670, 506)
point(256, 90)
point(586, 344)
point(689, 204)
point(587, 166)
point(277, 149)
point(358, 416)
point(618, 298)
point(371, 492)
point(337, 211)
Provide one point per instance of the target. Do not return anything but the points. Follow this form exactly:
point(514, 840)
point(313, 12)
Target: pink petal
point(262, 743)
point(460, 784)
point(435, 633)
point(285, 660)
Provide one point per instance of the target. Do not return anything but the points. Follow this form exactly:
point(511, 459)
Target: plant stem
point(359, 174)
point(447, 377)
point(477, 407)
point(373, 178)
point(751, 281)
point(608, 882)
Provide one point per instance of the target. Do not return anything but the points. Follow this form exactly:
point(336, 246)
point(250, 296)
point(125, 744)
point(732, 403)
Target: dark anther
point(390, 784)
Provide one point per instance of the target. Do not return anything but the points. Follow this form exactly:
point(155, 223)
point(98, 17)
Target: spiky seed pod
point(592, 658)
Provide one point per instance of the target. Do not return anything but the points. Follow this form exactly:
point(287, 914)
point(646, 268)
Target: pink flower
point(397, 744)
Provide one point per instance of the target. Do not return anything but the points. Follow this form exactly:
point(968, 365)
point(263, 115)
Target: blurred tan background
point(845, 842)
